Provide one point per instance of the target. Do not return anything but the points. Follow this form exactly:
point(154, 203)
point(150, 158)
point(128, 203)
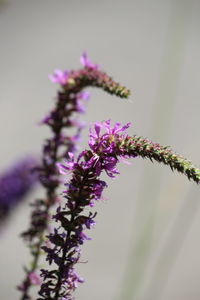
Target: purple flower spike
point(59, 77)
point(86, 62)
point(83, 190)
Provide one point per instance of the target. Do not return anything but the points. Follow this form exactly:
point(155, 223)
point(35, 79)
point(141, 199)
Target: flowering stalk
point(84, 188)
point(61, 118)
point(140, 146)
point(15, 184)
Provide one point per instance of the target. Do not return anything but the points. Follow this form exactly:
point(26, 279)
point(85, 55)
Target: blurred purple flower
point(15, 183)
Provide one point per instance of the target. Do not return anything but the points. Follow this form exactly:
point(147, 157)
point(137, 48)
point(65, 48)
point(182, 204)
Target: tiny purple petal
point(83, 236)
point(67, 167)
point(126, 126)
point(86, 62)
point(59, 77)
point(71, 155)
point(89, 223)
point(97, 127)
point(62, 169)
point(84, 95)
point(45, 120)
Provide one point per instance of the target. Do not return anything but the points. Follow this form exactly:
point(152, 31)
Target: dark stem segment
point(60, 119)
point(61, 282)
point(79, 207)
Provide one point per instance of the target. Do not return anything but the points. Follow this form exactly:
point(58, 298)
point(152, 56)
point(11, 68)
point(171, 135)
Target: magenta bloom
point(59, 77)
point(104, 146)
point(111, 133)
point(86, 62)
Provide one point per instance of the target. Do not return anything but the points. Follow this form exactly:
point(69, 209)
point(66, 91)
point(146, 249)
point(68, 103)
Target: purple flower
point(59, 77)
point(106, 143)
point(86, 62)
point(15, 183)
point(111, 133)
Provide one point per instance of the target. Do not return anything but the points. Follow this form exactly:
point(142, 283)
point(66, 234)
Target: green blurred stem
point(163, 108)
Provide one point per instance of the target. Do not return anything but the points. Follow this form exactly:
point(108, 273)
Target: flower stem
point(60, 118)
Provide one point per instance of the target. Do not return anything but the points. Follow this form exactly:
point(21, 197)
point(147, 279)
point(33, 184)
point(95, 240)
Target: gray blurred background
point(146, 243)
